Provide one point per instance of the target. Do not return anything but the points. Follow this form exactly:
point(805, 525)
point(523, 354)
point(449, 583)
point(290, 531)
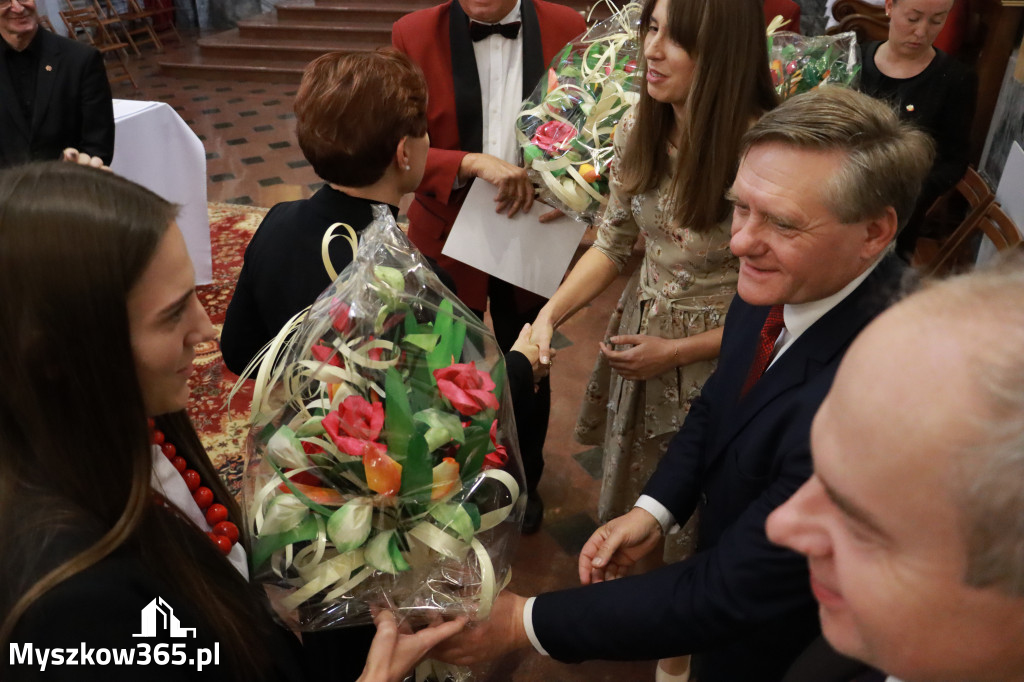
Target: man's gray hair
point(988, 308)
point(886, 160)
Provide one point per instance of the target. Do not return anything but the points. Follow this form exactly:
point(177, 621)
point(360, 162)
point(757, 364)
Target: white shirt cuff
point(658, 511)
point(528, 626)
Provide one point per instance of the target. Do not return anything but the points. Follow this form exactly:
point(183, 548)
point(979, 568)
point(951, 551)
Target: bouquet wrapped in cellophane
point(383, 468)
point(565, 128)
point(802, 63)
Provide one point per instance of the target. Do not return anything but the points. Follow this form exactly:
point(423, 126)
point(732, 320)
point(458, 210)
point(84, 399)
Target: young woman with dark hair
point(677, 152)
point(97, 336)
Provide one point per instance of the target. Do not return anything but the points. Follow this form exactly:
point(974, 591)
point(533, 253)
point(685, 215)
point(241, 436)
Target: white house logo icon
point(158, 615)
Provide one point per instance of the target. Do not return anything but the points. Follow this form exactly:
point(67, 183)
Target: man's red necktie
point(773, 326)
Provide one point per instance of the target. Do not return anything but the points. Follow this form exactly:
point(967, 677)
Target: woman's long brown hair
point(74, 444)
point(731, 88)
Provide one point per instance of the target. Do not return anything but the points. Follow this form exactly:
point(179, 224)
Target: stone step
point(276, 46)
point(231, 45)
point(270, 26)
point(303, 12)
point(267, 71)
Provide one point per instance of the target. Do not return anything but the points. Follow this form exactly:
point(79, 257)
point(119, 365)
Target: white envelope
point(520, 250)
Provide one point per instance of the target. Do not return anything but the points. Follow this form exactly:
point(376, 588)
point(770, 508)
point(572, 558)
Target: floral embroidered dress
point(683, 287)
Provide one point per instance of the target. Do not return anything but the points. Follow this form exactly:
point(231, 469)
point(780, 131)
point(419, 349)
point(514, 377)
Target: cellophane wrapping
point(566, 128)
point(802, 63)
point(383, 462)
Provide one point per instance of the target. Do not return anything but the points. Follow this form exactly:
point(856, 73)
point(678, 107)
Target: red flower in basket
point(466, 388)
point(554, 137)
point(354, 423)
point(498, 458)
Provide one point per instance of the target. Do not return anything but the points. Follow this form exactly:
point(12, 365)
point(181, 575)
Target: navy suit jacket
point(741, 604)
point(73, 106)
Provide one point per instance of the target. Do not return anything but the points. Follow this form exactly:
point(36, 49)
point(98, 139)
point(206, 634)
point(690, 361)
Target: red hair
point(353, 109)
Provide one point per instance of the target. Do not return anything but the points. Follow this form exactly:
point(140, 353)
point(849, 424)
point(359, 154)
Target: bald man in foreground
point(913, 522)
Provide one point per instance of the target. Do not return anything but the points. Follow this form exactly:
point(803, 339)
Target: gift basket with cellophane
point(566, 128)
point(801, 63)
point(384, 469)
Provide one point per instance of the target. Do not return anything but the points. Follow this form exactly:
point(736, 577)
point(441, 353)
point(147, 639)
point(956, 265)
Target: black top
point(23, 68)
point(940, 100)
point(283, 271)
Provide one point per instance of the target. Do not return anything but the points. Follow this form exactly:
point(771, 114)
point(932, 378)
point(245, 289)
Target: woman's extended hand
point(540, 333)
point(649, 356)
point(531, 351)
point(393, 654)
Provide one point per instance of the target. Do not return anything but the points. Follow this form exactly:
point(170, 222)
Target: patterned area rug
point(222, 427)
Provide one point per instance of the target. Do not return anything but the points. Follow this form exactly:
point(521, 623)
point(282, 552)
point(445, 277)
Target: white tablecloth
point(156, 149)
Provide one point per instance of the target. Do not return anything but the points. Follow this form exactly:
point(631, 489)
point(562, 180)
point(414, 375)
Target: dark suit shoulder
point(65, 46)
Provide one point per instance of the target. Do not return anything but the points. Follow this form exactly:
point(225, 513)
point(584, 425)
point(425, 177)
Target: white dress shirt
point(499, 64)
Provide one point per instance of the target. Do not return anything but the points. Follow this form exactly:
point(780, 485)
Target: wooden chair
point(959, 251)
point(962, 204)
point(137, 27)
point(867, 21)
point(84, 25)
point(161, 14)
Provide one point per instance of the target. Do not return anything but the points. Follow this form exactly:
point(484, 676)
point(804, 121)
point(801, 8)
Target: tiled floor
point(253, 158)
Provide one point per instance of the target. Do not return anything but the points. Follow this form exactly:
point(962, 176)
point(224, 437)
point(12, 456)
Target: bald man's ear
point(879, 233)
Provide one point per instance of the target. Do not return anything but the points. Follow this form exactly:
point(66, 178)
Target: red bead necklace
point(224, 533)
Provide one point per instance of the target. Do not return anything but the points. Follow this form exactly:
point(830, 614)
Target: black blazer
point(742, 604)
point(283, 271)
point(73, 106)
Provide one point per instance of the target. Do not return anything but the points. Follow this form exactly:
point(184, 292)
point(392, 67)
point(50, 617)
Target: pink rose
point(354, 424)
point(466, 388)
point(554, 137)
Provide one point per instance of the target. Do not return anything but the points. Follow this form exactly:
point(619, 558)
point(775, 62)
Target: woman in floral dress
point(676, 154)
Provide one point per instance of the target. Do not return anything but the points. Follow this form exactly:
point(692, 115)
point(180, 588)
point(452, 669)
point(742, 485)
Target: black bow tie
point(478, 31)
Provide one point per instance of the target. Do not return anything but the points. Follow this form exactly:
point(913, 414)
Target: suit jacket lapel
point(816, 347)
point(49, 70)
point(533, 51)
point(466, 82)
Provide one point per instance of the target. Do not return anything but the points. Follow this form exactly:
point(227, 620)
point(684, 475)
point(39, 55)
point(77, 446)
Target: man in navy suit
point(54, 92)
point(824, 182)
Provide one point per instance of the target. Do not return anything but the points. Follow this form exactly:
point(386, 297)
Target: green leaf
point(425, 341)
point(397, 415)
point(265, 545)
point(441, 356)
point(417, 472)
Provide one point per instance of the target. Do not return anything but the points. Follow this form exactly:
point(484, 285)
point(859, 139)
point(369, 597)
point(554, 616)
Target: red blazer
point(426, 37)
point(789, 11)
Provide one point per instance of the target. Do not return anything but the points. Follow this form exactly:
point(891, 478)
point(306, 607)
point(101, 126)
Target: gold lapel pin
point(49, 68)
